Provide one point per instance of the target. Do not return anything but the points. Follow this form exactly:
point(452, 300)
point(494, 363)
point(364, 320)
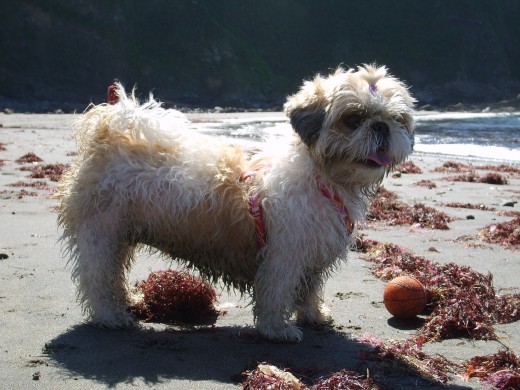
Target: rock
point(509, 203)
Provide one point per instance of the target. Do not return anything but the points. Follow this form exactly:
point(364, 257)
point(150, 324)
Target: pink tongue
point(380, 157)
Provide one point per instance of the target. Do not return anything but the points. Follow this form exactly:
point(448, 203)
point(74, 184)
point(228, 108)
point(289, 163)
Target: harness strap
point(337, 203)
point(255, 207)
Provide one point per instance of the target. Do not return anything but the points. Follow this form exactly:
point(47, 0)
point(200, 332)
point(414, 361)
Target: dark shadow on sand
point(408, 324)
point(219, 354)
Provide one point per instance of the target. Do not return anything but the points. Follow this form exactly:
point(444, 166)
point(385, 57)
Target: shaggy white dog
point(273, 224)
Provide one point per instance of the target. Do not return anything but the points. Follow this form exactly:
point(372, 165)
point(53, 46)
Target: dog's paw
point(286, 333)
point(113, 320)
point(316, 317)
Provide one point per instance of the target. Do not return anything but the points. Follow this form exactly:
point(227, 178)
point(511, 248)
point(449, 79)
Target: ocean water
point(486, 136)
point(492, 137)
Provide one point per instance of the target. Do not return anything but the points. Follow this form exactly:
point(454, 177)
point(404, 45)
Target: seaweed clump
point(178, 298)
point(458, 167)
point(472, 177)
point(408, 355)
point(470, 206)
point(505, 233)
point(500, 370)
point(29, 158)
point(53, 172)
point(408, 167)
point(501, 168)
point(266, 377)
point(269, 377)
point(461, 301)
point(386, 207)
point(39, 184)
point(426, 183)
point(453, 167)
point(346, 379)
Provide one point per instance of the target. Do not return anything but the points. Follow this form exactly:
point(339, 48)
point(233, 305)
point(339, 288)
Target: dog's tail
point(114, 129)
point(128, 122)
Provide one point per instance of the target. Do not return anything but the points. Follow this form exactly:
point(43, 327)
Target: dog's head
point(356, 124)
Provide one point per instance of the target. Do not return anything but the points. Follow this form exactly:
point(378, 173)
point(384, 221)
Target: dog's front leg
point(311, 309)
point(277, 285)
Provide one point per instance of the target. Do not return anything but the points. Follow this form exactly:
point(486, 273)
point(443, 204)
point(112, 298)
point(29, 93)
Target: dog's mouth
point(377, 159)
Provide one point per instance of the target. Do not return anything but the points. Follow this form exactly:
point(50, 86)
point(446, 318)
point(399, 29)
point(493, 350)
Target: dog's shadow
point(219, 354)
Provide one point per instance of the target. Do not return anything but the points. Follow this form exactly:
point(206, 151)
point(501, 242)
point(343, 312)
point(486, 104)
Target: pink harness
point(337, 203)
point(255, 207)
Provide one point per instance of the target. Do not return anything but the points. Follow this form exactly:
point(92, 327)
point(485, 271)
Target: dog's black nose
point(381, 128)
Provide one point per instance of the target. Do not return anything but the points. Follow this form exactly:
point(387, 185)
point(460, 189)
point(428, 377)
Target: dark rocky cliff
point(243, 53)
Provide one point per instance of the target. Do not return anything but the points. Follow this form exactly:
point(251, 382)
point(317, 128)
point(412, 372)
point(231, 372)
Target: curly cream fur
point(143, 177)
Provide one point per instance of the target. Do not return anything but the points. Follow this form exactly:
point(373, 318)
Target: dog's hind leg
point(102, 259)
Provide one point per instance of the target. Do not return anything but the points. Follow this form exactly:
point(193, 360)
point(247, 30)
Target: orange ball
point(404, 297)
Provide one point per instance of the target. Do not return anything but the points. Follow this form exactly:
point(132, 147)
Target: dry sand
point(44, 342)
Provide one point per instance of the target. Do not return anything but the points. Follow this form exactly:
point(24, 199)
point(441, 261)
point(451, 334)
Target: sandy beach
point(45, 344)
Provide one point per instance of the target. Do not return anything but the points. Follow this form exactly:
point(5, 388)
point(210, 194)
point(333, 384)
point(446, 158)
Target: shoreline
point(65, 122)
point(49, 107)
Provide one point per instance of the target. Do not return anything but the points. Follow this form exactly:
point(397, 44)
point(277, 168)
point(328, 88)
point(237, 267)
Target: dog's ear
point(307, 123)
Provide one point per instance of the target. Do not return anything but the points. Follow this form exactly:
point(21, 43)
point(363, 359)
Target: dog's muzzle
point(381, 141)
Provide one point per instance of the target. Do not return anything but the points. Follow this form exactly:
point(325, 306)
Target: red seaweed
point(472, 177)
point(505, 233)
point(52, 172)
point(408, 167)
point(453, 167)
point(508, 213)
point(269, 377)
point(500, 370)
point(494, 178)
point(23, 193)
point(426, 183)
point(457, 167)
point(408, 355)
point(29, 158)
point(500, 168)
point(470, 206)
point(346, 379)
point(461, 302)
point(39, 184)
point(386, 207)
point(176, 298)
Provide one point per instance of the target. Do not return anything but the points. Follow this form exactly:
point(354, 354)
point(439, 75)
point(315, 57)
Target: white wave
point(470, 150)
point(447, 116)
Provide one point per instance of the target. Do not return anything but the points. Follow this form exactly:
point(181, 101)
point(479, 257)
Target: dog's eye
point(353, 121)
point(402, 121)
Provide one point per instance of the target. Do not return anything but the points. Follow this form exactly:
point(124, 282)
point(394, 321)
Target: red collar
point(255, 206)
